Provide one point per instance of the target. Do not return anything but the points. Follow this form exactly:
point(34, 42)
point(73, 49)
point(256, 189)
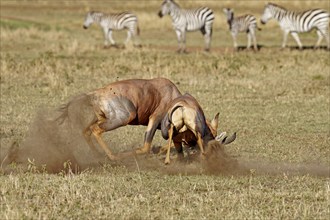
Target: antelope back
point(149, 97)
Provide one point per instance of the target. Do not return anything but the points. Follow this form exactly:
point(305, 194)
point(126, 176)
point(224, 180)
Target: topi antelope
point(128, 102)
point(185, 122)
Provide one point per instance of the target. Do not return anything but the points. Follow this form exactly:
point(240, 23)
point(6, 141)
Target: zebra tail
point(138, 30)
point(259, 29)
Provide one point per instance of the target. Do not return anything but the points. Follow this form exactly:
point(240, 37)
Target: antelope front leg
point(170, 133)
point(178, 147)
point(163, 149)
point(200, 144)
point(148, 136)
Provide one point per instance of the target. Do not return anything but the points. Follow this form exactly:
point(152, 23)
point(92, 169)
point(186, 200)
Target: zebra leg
point(207, 42)
point(285, 38)
point(113, 43)
point(129, 36)
point(207, 32)
point(327, 38)
point(253, 35)
point(296, 37)
point(178, 34)
point(234, 35)
point(183, 48)
point(106, 39)
point(135, 33)
point(320, 37)
point(249, 40)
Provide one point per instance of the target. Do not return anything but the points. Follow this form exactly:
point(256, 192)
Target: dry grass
point(277, 100)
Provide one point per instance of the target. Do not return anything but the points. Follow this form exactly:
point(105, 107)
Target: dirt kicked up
point(50, 146)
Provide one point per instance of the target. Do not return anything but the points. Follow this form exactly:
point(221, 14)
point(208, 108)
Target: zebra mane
point(96, 13)
point(276, 6)
point(176, 4)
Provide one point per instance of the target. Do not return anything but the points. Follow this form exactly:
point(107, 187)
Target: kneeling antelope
point(244, 23)
point(127, 102)
point(185, 122)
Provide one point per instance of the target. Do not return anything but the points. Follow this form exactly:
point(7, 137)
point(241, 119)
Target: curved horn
point(221, 136)
point(228, 140)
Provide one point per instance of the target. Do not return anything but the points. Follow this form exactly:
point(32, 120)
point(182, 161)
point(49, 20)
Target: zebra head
point(230, 15)
point(89, 19)
point(267, 15)
point(166, 7)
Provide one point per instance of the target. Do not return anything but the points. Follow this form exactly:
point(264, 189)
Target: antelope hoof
point(167, 161)
point(141, 151)
point(113, 157)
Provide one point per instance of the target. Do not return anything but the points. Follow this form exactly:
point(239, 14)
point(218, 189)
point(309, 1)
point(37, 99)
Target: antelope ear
point(215, 121)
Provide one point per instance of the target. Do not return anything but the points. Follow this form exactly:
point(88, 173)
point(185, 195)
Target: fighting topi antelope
point(298, 22)
point(184, 20)
point(185, 122)
point(111, 22)
point(245, 23)
point(127, 102)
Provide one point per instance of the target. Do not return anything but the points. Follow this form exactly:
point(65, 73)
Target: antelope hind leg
point(97, 132)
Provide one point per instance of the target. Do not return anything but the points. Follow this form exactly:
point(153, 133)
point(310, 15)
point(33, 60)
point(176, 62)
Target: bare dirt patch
point(52, 142)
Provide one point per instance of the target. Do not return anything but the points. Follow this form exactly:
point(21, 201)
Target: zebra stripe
point(297, 22)
point(184, 20)
point(245, 23)
point(110, 22)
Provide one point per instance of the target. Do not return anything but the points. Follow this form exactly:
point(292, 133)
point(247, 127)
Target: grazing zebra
point(188, 20)
point(110, 22)
point(245, 23)
point(296, 22)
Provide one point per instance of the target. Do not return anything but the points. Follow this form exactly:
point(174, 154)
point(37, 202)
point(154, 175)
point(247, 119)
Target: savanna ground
point(277, 100)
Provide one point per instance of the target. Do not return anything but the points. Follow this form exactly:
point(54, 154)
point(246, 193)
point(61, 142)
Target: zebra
point(296, 22)
point(110, 22)
point(246, 23)
point(188, 20)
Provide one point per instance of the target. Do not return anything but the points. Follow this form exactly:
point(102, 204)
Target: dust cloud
point(56, 138)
